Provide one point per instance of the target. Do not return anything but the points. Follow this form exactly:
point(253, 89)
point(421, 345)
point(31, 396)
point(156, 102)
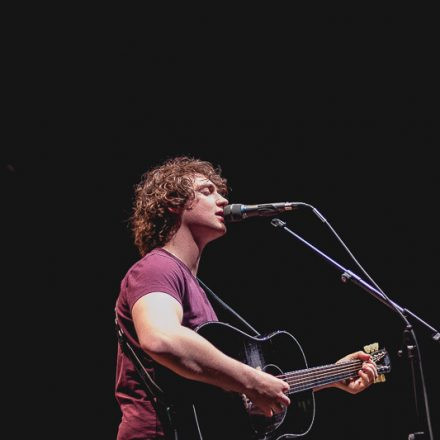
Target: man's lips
point(220, 216)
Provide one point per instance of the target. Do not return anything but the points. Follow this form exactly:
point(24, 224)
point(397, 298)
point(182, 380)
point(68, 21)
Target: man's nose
point(222, 201)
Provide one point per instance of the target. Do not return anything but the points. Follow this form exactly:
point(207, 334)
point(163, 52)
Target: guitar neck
point(309, 378)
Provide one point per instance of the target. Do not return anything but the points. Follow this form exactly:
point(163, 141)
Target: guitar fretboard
point(309, 378)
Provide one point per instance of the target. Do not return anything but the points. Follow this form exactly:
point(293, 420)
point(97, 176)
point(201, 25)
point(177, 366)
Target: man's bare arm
point(157, 318)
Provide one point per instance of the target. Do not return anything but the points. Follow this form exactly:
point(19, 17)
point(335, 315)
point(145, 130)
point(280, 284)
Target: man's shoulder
point(155, 260)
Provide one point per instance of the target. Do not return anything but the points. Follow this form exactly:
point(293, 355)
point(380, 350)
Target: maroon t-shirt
point(158, 271)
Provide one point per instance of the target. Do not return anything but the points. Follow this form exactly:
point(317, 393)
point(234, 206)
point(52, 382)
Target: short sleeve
point(155, 273)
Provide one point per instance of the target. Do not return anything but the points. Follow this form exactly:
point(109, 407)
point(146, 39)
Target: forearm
point(157, 318)
point(188, 354)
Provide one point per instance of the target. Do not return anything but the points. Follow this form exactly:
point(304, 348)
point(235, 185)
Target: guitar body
point(200, 411)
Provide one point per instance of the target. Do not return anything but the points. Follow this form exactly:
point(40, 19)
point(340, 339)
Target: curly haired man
point(178, 210)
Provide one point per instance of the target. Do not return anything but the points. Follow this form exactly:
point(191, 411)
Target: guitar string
point(294, 380)
point(322, 369)
point(319, 370)
point(323, 379)
point(310, 384)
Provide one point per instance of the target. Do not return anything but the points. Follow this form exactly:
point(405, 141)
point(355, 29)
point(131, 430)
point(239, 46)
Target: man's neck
point(186, 250)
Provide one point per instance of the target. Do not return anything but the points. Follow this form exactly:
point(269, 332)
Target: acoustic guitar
point(198, 411)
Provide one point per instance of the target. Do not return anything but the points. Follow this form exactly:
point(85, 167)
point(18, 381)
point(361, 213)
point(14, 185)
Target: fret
point(307, 379)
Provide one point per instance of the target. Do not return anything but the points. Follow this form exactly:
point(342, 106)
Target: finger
point(284, 400)
point(364, 356)
point(360, 355)
point(286, 387)
point(364, 378)
point(370, 370)
point(268, 412)
point(356, 355)
point(278, 408)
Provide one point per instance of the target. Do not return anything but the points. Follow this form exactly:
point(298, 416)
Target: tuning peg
point(371, 348)
point(380, 378)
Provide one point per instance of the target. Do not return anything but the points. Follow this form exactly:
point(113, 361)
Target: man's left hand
point(367, 374)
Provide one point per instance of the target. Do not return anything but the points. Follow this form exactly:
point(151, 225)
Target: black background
point(339, 111)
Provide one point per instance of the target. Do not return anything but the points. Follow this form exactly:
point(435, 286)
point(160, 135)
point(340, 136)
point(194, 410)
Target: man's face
point(204, 215)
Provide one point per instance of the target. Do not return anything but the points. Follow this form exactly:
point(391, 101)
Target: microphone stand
point(409, 344)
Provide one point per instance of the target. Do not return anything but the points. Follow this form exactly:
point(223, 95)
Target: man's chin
point(219, 232)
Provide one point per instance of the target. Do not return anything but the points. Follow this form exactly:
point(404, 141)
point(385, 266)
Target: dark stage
point(362, 151)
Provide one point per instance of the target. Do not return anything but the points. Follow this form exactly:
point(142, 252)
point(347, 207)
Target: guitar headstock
point(381, 358)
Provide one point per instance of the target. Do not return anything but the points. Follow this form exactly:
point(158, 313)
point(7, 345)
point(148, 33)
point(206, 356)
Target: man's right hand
point(267, 393)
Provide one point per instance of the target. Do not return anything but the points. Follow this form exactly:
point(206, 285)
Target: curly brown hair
point(166, 186)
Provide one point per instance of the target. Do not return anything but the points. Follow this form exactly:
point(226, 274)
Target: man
point(178, 210)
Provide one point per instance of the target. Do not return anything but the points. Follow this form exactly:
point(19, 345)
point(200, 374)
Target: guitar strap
point(154, 392)
point(227, 308)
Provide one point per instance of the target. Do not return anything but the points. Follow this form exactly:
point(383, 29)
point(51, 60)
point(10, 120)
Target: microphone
point(237, 212)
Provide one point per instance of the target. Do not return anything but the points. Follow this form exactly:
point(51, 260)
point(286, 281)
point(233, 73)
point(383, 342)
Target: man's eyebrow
point(205, 185)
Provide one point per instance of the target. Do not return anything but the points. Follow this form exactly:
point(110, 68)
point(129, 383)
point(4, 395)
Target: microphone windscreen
point(233, 213)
